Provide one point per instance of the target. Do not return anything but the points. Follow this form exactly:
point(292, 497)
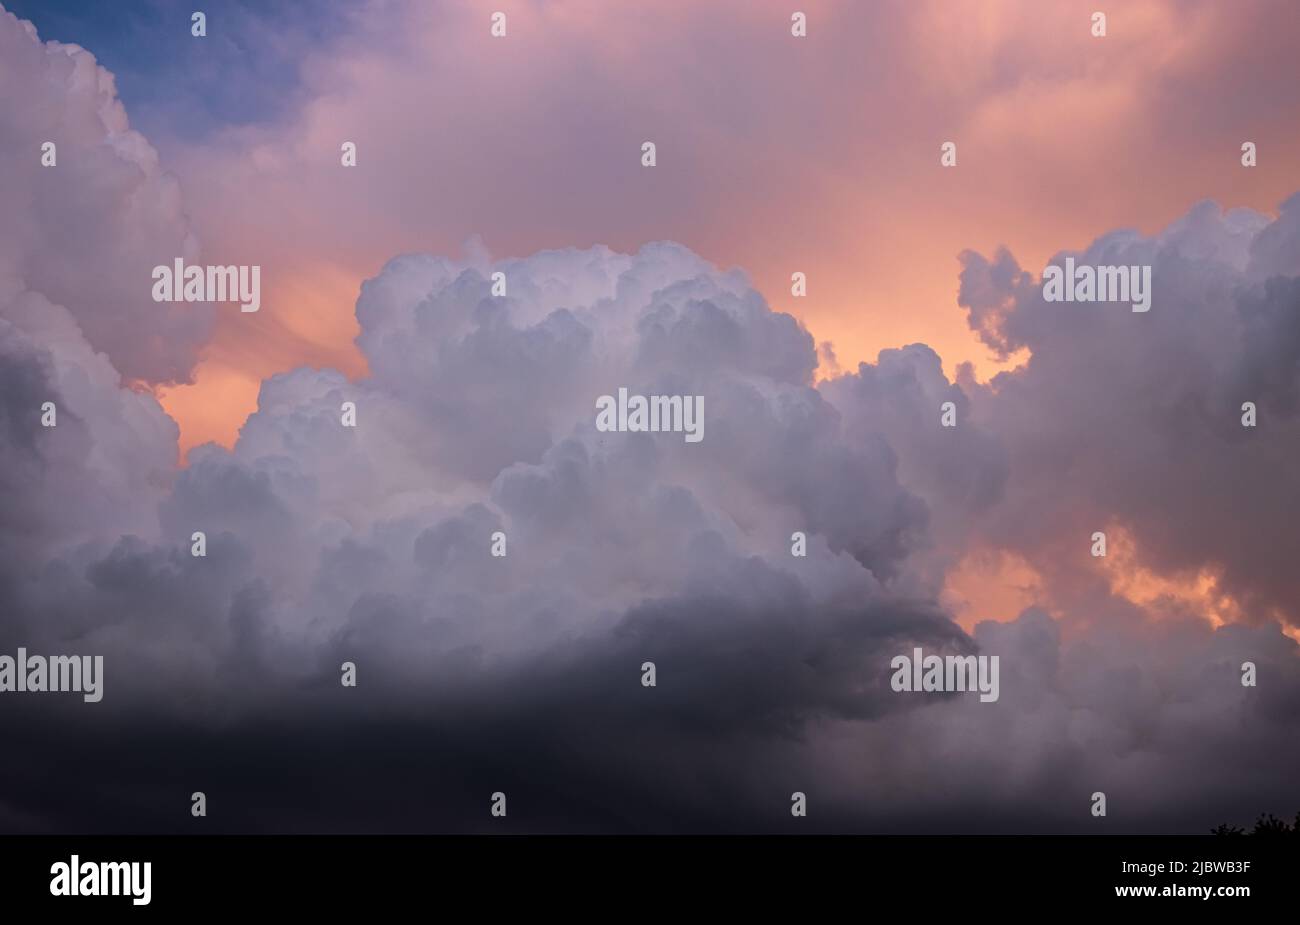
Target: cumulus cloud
point(372, 544)
point(87, 233)
point(1135, 419)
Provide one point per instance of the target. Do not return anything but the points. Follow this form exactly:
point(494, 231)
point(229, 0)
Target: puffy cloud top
point(372, 545)
point(87, 233)
point(1136, 418)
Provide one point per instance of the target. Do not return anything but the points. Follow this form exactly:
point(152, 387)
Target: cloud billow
point(371, 545)
point(1139, 418)
point(522, 673)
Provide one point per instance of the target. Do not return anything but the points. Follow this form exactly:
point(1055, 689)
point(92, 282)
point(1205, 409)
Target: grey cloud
point(1135, 418)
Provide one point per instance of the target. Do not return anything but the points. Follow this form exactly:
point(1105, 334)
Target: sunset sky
point(820, 156)
point(776, 154)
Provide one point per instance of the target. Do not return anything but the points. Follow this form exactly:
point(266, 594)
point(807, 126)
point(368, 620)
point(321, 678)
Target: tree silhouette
point(1266, 824)
point(1271, 825)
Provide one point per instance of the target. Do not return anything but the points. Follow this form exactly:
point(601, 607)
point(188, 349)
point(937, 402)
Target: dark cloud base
point(340, 774)
point(579, 746)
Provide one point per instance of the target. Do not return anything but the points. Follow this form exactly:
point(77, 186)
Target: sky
point(818, 156)
point(776, 154)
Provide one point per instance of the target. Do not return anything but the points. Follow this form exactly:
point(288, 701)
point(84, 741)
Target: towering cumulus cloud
point(75, 321)
point(83, 232)
point(475, 431)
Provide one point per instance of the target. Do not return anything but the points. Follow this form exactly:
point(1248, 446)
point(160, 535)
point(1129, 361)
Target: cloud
point(87, 233)
point(371, 545)
point(1135, 419)
point(476, 414)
